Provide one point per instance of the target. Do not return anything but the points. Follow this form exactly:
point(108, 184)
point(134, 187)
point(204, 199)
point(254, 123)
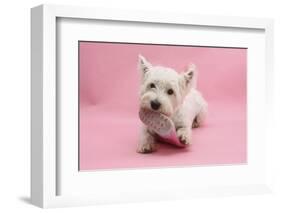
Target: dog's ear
point(189, 73)
point(143, 65)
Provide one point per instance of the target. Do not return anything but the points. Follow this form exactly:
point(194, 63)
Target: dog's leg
point(183, 126)
point(199, 119)
point(195, 123)
point(147, 143)
point(183, 129)
point(184, 135)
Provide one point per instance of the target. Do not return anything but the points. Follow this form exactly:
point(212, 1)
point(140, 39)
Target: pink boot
point(162, 125)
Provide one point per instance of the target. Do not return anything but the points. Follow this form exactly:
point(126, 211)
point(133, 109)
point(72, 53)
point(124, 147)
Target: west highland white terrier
point(174, 95)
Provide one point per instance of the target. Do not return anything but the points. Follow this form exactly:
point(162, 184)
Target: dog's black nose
point(155, 104)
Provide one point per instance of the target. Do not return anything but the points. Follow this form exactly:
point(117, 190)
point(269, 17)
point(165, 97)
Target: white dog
point(175, 95)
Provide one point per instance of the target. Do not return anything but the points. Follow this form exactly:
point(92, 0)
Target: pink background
point(109, 124)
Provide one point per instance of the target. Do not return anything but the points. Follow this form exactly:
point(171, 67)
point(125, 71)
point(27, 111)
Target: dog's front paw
point(183, 136)
point(147, 148)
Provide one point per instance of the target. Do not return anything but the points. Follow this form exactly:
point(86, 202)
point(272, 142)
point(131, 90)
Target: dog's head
point(162, 88)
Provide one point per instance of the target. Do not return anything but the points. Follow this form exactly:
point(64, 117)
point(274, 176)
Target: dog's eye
point(152, 85)
point(170, 92)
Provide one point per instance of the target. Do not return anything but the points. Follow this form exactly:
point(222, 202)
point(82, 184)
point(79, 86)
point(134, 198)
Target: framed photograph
point(131, 106)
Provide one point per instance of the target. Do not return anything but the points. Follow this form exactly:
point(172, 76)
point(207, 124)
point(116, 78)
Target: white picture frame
point(46, 169)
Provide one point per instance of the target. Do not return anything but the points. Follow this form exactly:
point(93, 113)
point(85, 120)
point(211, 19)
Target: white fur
point(186, 106)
